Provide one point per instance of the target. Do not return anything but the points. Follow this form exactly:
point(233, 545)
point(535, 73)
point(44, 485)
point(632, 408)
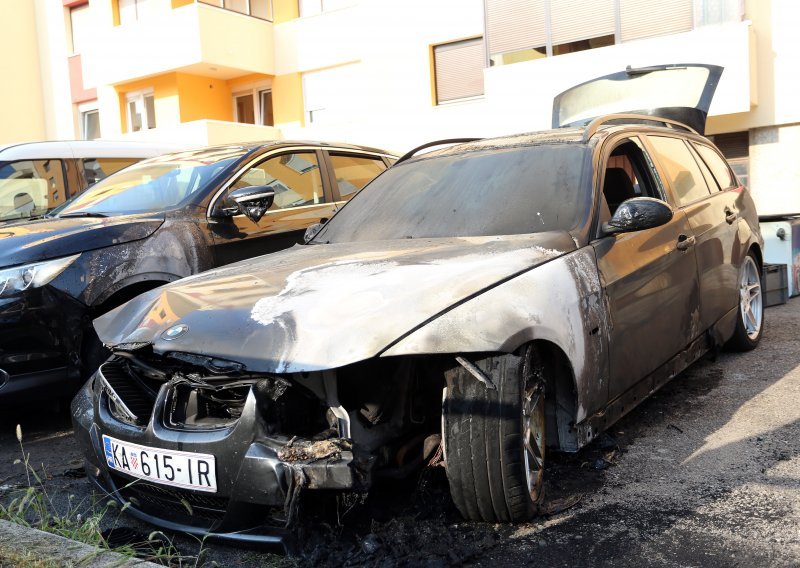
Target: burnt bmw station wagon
point(479, 303)
point(152, 223)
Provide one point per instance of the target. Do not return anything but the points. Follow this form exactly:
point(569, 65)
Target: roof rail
point(595, 124)
point(413, 151)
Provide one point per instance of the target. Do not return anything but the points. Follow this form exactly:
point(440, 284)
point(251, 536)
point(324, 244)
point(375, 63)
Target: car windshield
point(499, 191)
point(154, 185)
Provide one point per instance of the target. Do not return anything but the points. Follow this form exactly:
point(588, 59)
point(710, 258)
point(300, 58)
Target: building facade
point(392, 73)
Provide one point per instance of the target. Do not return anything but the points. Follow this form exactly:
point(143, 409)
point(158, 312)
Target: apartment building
point(391, 73)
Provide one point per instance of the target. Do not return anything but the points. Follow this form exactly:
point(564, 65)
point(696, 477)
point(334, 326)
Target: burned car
point(152, 223)
point(478, 304)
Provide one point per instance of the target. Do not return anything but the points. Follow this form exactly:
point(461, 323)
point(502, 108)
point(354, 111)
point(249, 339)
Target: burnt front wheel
point(750, 319)
point(494, 436)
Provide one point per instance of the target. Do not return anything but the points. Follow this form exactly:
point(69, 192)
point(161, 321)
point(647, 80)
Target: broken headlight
point(20, 278)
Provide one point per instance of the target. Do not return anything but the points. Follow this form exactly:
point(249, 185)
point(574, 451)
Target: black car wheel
point(750, 319)
point(494, 437)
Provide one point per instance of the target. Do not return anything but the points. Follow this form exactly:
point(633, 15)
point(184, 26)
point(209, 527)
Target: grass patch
point(9, 558)
point(33, 507)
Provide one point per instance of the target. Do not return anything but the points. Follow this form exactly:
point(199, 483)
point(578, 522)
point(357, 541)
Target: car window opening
point(628, 174)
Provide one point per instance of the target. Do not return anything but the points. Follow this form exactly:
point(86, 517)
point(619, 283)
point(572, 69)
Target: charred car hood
point(33, 241)
point(324, 306)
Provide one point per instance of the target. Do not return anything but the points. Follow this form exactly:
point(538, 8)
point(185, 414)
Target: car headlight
point(20, 278)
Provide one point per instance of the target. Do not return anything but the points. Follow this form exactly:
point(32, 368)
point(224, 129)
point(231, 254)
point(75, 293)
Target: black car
point(474, 306)
point(155, 222)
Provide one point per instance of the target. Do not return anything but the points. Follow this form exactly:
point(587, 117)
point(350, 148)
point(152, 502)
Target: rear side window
point(720, 170)
point(95, 169)
point(354, 172)
point(29, 188)
point(685, 177)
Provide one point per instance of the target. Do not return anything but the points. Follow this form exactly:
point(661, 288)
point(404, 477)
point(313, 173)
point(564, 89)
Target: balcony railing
point(261, 9)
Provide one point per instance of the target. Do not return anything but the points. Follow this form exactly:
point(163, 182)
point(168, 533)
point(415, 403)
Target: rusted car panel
point(529, 289)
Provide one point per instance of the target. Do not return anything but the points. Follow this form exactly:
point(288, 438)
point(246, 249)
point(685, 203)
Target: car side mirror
point(252, 202)
point(638, 214)
point(312, 231)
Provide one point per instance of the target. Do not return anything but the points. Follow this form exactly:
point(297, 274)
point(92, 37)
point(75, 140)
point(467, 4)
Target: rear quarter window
point(719, 168)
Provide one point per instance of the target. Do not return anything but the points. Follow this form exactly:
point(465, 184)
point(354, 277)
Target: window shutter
point(459, 69)
point(512, 25)
point(733, 145)
point(573, 20)
point(647, 18)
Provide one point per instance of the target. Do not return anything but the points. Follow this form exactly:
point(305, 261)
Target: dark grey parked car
point(482, 302)
point(149, 224)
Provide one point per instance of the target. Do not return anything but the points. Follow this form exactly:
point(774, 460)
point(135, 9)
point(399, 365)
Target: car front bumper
point(40, 335)
point(256, 489)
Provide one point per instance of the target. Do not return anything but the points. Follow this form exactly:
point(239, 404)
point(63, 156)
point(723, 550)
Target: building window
point(458, 70)
point(81, 27)
point(90, 124)
point(521, 30)
point(131, 11)
point(141, 111)
point(254, 107)
point(709, 12)
point(257, 8)
point(312, 7)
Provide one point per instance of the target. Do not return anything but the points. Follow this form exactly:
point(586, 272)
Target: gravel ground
point(704, 473)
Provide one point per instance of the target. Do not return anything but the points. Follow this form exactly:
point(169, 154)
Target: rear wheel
point(494, 439)
point(750, 317)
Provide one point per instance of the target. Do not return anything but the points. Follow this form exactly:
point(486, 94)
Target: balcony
point(205, 133)
point(195, 38)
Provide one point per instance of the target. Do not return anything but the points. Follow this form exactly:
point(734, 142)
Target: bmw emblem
point(174, 332)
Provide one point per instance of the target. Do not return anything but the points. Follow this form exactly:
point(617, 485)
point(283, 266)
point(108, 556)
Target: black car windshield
point(499, 191)
point(153, 185)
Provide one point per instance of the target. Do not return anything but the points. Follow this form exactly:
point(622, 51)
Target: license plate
point(180, 469)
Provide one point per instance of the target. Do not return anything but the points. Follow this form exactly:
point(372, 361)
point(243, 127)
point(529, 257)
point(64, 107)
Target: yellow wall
point(287, 98)
point(284, 10)
point(204, 97)
point(22, 108)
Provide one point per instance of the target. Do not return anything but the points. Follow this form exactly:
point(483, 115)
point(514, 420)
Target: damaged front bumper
point(259, 472)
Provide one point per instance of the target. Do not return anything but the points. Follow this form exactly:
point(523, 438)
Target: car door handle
point(684, 242)
point(730, 216)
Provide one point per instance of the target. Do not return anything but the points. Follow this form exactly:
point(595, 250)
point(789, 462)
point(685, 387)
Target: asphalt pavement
point(704, 473)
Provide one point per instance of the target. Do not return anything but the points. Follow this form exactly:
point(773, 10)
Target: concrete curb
point(62, 550)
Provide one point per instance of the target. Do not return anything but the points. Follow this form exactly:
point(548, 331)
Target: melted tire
point(483, 435)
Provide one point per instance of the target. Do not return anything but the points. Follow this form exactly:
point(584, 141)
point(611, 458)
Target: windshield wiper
point(83, 214)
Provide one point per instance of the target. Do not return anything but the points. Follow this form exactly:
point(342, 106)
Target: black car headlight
point(20, 278)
